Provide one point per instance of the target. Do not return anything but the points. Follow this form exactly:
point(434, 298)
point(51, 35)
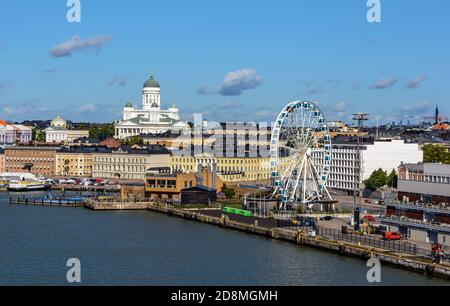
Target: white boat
point(15, 185)
point(23, 182)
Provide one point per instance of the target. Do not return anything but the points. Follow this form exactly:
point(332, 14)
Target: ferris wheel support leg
point(304, 182)
point(322, 182)
point(297, 181)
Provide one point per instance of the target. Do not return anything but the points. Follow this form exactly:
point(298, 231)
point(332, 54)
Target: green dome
point(128, 104)
point(151, 82)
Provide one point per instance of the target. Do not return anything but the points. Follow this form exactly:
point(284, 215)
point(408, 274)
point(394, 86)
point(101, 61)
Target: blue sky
point(231, 60)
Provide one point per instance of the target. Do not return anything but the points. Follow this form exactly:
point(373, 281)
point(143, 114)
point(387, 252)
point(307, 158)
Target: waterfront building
point(129, 163)
point(38, 160)
point(76, 161)
point(150, 118)
point(162, 183)
point(58, 132)
point(229, 169)
point(387, 155)
point(425, 183)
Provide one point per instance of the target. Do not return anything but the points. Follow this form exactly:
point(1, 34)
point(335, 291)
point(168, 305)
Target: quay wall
point(408, 262)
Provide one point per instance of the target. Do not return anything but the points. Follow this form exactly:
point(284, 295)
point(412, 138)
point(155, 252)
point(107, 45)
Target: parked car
point(326, 218)
point(392, 236)
point(369, 218)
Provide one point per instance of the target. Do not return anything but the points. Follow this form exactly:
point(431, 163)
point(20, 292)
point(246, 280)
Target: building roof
point(56, 129)
point(58, 121)
point(110, 143)
point(151, 82)
point(441, 126)
point(85, 149)
point(413, 167)
point(199, 188)
point(150, 149)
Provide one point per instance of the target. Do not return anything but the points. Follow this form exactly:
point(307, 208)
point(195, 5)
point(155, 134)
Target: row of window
point(30, 159)
point(120, 160)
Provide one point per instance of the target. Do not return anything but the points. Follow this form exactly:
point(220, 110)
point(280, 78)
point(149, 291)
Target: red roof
point(441, 126)
point(111, 143)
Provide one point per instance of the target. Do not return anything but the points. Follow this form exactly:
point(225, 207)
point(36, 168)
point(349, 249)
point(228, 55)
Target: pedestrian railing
point(368, 240)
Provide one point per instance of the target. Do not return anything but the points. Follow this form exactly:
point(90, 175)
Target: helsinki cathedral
point(151, 119)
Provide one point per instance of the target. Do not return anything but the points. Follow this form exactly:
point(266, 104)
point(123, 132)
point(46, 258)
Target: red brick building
point(39, 160)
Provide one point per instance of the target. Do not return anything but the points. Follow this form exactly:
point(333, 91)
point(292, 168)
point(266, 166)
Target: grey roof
point(413, 167)
point(56, 128)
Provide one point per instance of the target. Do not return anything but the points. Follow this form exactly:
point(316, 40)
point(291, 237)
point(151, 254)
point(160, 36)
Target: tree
point(133, 140)
point(377, 180)
point(435, 154)
point(228, 192)
point(37, 135)
point(102, 131)
point(392, 179)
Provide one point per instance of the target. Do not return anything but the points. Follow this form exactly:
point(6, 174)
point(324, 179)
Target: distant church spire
point(437, 118)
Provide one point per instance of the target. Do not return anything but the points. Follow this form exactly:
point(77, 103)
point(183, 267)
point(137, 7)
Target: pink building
point(11, 134)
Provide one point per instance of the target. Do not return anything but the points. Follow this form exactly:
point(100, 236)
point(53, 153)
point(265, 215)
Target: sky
point(229, 60)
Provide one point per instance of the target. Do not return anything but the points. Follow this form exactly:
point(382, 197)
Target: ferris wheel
point(300, 155)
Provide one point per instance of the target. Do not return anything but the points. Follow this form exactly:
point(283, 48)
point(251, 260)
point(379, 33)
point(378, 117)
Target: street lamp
point(360, 118)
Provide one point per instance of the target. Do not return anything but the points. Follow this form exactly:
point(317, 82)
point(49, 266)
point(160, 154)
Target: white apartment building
point(387, 155)
point(128, 163)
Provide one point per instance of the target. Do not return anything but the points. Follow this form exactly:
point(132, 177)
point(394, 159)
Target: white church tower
point(151, 95)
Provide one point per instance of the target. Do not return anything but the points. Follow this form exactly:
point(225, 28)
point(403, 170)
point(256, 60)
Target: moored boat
point(27, 186)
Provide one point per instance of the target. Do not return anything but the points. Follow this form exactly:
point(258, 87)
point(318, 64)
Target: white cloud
point(416, 83)
point(384, 83)
point(74, 44)
point(236, 82)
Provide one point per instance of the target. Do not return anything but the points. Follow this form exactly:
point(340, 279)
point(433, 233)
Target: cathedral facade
point(150, 118)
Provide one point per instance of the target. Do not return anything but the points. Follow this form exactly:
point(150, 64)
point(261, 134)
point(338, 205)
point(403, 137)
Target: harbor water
point(145, 248)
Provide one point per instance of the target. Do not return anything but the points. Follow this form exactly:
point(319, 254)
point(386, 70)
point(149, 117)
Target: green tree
point(377, 180)
point(435, 154)
point(133, 140)
point(102, 131)
point(392, 179)
point(37, 135)
point(228, 192)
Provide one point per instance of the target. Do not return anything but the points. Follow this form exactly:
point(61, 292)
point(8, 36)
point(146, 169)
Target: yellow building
point(229, 169)
point(75, 162)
